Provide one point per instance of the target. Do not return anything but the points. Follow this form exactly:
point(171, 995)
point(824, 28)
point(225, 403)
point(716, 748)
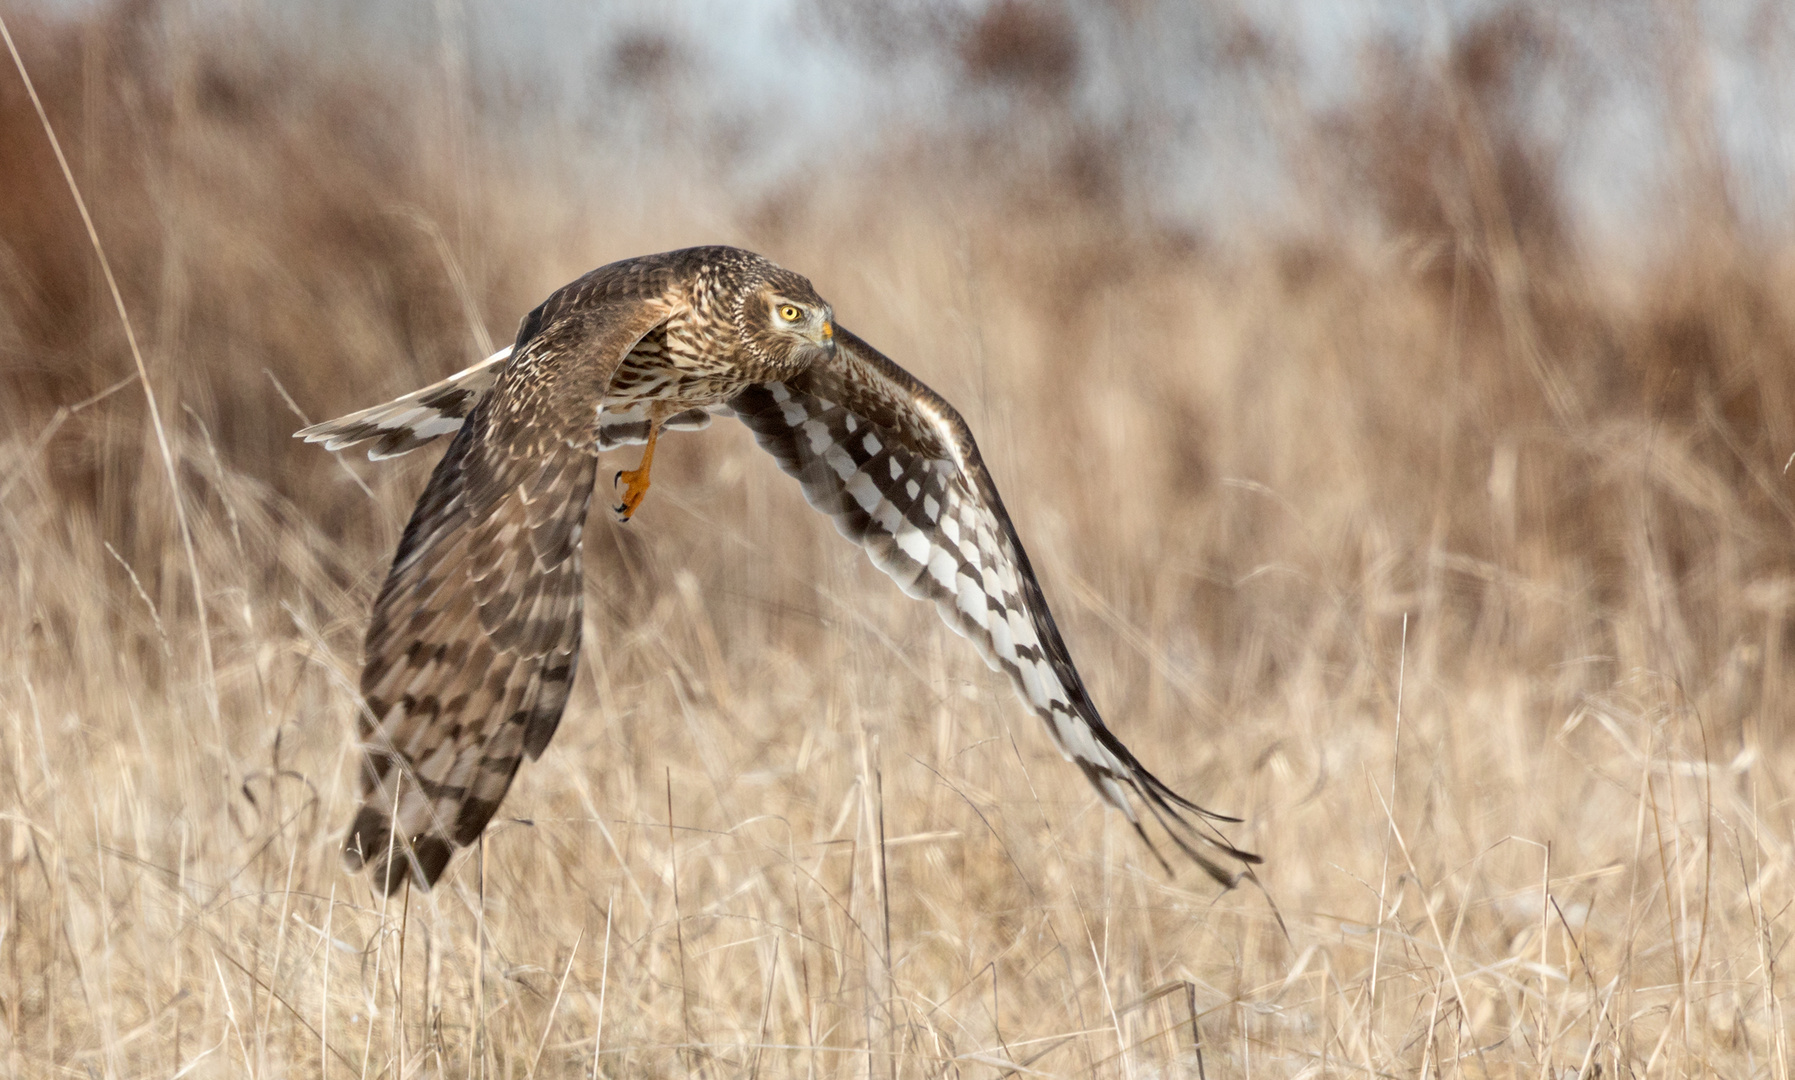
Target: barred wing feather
point(475, 638)
point(471, 652)
point(897, 470)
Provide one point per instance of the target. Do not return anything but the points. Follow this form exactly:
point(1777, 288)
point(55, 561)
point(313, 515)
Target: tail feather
point(404, 424)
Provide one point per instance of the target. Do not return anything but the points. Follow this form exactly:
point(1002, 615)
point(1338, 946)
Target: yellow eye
point(789, 312)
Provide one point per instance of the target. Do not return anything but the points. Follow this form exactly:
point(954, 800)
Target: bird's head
point(784, 322)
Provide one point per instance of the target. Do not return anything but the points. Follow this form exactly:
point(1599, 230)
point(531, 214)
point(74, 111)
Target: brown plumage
point(475, 636)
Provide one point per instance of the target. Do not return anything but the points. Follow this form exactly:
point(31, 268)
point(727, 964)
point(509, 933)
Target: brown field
point(1453, 554)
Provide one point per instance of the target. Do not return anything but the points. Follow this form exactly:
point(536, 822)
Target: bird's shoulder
point(666, 279)
point(867, 382)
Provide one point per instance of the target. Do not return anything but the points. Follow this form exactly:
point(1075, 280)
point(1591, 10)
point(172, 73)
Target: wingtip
point(1164, 804)
point(389, 860)
point(1220, 875)
point(421, 862)
point(1165, 791)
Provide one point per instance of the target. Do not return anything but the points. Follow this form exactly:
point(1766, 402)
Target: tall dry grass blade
point(149, 604)
point(548, 1025)
point(1383, 882)
point(689, 1053)
point(143, 377)
point(766, 1010)
point(62, 416)
point(399, 1033)
point(885, 911)
point(479, 1044)
point(604, 984)
point(452, 266)
point(280, 948)
point(330, 912)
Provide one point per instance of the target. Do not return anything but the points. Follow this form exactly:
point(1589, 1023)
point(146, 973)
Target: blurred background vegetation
point(1333, 360)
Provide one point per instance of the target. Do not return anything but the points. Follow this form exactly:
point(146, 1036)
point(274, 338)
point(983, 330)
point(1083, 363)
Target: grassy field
point(1454, 556)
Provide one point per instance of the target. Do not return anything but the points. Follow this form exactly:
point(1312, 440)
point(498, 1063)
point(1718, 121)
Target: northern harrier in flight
point(476, 634)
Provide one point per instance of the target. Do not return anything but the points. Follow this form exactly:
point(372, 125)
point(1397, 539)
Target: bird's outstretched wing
point(897, 469)
point(475, 636)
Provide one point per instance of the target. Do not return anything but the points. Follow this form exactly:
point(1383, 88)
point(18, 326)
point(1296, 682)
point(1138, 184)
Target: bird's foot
point(635, 490)
point(636, 479)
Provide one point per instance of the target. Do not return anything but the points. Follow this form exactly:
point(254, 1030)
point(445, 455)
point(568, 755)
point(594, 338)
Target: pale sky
point(774, 72)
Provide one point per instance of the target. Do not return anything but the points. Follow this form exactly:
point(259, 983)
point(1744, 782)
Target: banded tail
point(404, 424)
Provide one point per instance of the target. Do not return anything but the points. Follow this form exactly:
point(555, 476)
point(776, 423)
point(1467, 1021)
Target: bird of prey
point(475, 636)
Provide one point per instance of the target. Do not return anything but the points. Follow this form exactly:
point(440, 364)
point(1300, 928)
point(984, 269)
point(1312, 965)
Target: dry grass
point(1457, 564)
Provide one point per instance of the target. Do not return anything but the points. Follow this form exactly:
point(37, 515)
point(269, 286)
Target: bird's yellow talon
point(635, 491)
point(636, 480)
